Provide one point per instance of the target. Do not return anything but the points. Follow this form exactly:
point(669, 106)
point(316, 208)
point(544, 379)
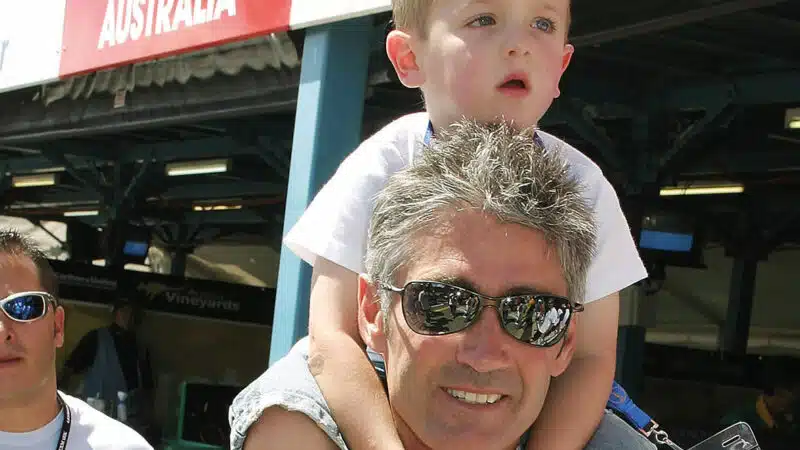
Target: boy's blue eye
point(544, 24)
point(482, 21)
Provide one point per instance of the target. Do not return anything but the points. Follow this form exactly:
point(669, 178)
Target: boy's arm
point(577, 398)
point(340, 365)
point(279, 428)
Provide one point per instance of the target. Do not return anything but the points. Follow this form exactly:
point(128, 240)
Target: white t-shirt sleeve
point(617, 263)
point(335, 225)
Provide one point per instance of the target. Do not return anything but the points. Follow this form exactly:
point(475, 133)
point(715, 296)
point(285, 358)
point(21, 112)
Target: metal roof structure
point(658, 92)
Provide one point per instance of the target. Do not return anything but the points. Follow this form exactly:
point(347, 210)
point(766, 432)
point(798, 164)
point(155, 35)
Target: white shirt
point(90, 430)
point(335, 224)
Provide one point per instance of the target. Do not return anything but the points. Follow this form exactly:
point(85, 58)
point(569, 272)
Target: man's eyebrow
point(471, 286)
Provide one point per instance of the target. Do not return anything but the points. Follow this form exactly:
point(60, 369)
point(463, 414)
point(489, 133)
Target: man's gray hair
point(494, 168)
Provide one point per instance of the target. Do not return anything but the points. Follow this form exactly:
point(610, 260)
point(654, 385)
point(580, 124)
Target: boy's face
point(486, 59)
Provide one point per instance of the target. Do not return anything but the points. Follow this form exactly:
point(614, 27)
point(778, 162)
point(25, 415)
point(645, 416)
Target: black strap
point(66, 423)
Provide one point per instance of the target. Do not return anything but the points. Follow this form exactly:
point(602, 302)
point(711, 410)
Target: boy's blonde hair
point(412, 15)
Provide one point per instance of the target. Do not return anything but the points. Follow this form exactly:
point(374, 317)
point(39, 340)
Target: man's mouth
point(474, 398)
point(8, 360)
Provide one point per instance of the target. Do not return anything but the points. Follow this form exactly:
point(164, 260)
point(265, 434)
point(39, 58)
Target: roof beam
point(237, 189)
point(177, 193)
point(161, 152)
point(747, 90)
point(212, 218)
point(670, 22)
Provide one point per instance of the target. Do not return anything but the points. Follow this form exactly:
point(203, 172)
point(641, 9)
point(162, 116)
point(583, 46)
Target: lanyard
point(65, 424)
point(621, 403)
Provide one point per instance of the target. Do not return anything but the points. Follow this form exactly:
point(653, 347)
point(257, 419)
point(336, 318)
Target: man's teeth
point(477, 399)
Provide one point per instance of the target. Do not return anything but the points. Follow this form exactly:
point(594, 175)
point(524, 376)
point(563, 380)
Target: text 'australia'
point(131, 19)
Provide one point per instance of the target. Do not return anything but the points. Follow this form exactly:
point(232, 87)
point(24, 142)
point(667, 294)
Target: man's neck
point(28, 413)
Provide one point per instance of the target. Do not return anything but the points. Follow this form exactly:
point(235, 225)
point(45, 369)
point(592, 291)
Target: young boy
point(486, 60)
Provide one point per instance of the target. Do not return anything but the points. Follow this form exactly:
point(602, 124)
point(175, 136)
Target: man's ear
point(58, 326)
point(400, 53)
point(370, 316)
point(566, 349)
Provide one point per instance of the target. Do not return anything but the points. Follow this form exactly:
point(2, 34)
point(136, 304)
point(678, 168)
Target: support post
point(735, 332)
point(178, 264)
point(747, 245)
point(636, 313)
point(327, 127)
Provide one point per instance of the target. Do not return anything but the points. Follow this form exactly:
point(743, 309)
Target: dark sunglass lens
point(537, 320)
point(27, 307)
point(433, 309)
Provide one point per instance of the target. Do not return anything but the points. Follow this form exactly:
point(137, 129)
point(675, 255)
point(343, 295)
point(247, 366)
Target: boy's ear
point(566, 57)
point(401, 54)
point(370, 316)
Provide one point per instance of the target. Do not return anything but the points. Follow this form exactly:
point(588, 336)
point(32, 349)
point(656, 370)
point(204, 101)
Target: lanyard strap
point(429, 133)
point(66, 423)
point(620, 402)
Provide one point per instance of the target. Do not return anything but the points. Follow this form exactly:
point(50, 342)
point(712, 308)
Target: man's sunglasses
point(434, 309)
point(26, 306)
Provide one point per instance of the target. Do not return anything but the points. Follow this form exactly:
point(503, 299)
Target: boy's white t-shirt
point(90, 430)
point(335, 225)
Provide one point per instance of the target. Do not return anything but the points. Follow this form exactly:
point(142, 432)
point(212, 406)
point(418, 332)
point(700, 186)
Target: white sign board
point(30, 42)
point(308, 13)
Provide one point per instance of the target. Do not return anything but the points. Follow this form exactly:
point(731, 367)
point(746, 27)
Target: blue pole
point(330, 107)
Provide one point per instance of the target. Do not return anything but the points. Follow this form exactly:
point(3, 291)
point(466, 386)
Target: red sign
point(100, 34)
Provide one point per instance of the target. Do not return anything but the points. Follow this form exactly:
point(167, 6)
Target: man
point(113, 361)
point(476, 266)
point(772, 414)
point(34, 415)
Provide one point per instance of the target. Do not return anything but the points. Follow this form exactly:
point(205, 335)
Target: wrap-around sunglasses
point(433, 309)
point(26, 306)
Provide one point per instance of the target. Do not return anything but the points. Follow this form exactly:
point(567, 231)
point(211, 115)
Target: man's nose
point(484, 345)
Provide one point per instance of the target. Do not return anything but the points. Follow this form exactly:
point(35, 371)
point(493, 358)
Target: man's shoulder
point(100, 431)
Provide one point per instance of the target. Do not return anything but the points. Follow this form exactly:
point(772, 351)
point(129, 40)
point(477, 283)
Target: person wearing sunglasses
point(34, 414)
point(476, 267)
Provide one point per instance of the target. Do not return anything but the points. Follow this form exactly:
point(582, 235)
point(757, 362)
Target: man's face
point(27, 350)
point(474, 47)
point(493, 259)
point(124, 317)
